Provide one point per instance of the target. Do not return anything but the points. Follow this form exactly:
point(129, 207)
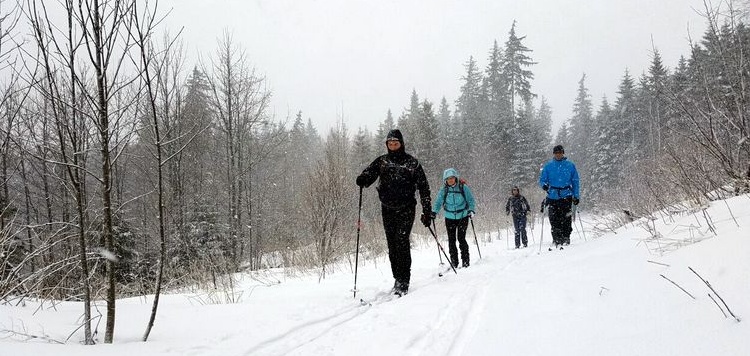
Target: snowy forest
point(129, 168)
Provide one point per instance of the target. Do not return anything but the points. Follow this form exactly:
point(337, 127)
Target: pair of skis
point(445, 270)
point(541, 233)
point(380, 298)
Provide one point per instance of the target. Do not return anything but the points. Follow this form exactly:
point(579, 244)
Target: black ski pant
point(560, 220)
point(457, 231)
point(519, 224)
point(397, 224)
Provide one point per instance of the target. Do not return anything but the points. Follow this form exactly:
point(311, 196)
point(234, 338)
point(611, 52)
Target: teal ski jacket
point(457, 200)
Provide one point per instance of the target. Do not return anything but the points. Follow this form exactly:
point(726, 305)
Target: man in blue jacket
point(559, 179)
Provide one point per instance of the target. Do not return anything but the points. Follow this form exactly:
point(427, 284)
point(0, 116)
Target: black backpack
point(461, 183)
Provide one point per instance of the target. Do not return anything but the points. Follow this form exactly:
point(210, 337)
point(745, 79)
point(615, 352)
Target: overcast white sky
point(355, 59)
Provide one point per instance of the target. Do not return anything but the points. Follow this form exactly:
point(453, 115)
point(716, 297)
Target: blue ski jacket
point(457, 200)
point(561, 177)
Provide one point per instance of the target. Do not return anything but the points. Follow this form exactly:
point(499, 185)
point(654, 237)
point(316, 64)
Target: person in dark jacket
point(559, 179)
point(456, 198)
point(519, 207)
point(400, 176)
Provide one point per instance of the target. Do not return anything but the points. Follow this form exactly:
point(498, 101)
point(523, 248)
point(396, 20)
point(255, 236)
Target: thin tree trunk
point(77, 177)
point(141, 42)
point(27, 219)
point(5, 198)
point(106, 166)
point(240, 241)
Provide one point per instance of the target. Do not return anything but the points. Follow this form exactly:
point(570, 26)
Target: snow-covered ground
point(602, 296)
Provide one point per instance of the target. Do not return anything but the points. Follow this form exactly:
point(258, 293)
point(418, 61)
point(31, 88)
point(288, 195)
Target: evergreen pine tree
point(542, 127)
point(468, 115)
point(313, 139)
point(448, 140)
point(387, 125)
point(408, 121)
point(655, 88)
point(362, 146)
point(581, 123)
point(605, 169)
point(428, 139)
point(517, 77)
point(379, 139)
point(524, 155)
point(625, 119)
point(499, 110)
point(582, 133)
point(496, 84)
point(563, 135)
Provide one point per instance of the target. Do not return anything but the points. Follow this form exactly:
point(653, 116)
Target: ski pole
point(507, 237)
point(438, 251)
point(356, 258)
point(532, 229)
point(574, 211)
point(541, 229)
point(475, 236)
point(441, 248)
point(582, 230)
point(526, 216)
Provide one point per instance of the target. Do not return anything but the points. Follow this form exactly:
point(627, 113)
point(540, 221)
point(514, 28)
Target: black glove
point(545, 187)
point(576, 201)
point(426, 219)
point(361, 181)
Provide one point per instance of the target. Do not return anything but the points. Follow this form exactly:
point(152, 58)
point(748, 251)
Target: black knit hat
point(395, 134)
point(558, 149)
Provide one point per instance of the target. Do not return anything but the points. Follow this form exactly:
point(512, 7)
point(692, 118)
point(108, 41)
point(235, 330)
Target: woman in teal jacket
point(456, 199)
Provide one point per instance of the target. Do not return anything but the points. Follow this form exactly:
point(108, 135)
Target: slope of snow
point(600, 296)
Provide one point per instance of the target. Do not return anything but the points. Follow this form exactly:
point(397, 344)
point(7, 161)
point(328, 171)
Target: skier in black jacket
point(400, 176)
point(519, 206)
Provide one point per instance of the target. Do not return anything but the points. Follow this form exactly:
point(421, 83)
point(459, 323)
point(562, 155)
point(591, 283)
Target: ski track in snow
point(459, 311)
point(474, 314)
point(447, 334)
point(458, 320)
point(442, 326)
point(311, 331)
point(308, 332)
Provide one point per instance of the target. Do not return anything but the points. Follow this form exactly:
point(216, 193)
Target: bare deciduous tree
point(239, 100)
point(329, 199)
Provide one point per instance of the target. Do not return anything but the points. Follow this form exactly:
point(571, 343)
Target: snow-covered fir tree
point(515, 68)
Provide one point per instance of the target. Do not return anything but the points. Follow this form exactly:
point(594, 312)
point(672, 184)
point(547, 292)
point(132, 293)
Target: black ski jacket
point(400, 176)
point(517, 205)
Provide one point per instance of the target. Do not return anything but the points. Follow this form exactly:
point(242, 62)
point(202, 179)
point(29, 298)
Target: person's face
point(450, 181)
point(393, 145)
point(515, 191)
point(558, 155)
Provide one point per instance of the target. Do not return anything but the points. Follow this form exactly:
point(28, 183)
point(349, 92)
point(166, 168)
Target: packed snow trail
point(433, 318)
point(600, 296)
